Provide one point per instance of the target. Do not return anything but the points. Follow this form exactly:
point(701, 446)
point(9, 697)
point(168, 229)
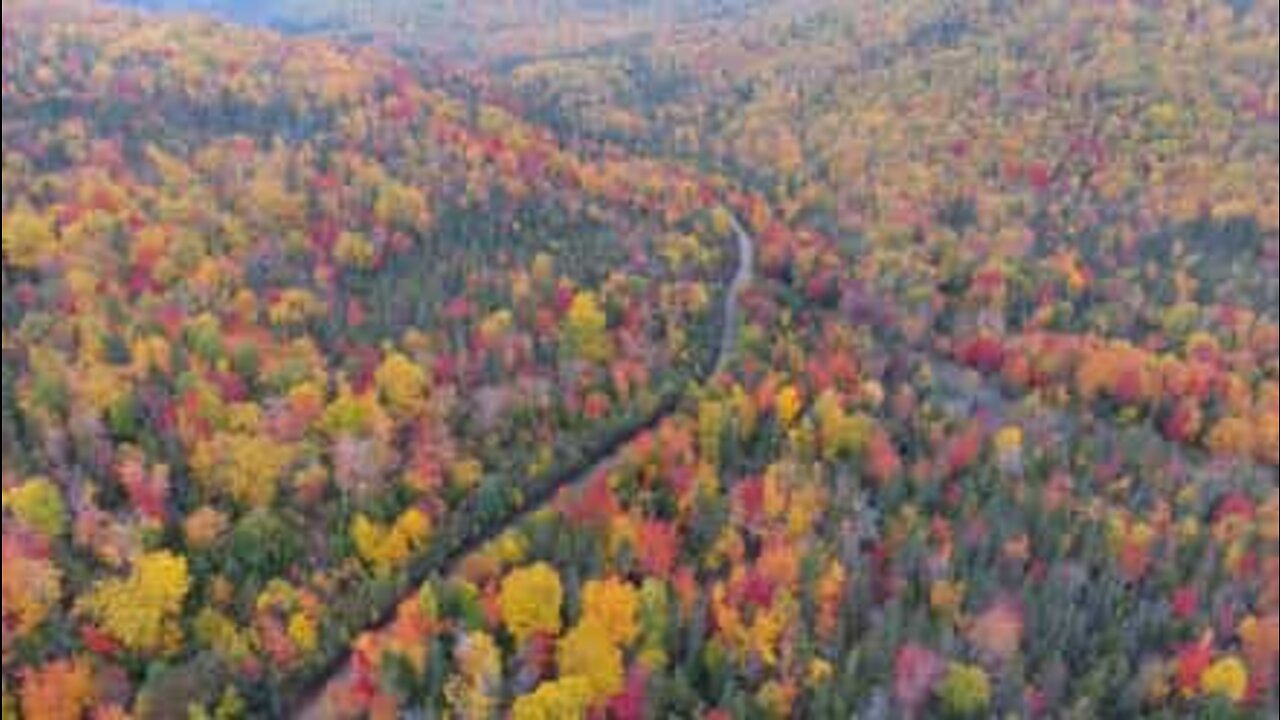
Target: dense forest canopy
point(630, 359)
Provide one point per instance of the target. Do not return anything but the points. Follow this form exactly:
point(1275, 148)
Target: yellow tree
point(247, 468)
point(402, 385)
point(472, 692)
point(388, 548)
point(29, 238)
point(142, 611)
point(38, 505)
point(612, 602)
point(564, 699)
point(530, 601)
point(585, 328)
point(587, 651)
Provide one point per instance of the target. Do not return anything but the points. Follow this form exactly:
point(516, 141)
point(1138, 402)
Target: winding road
point(317, 704)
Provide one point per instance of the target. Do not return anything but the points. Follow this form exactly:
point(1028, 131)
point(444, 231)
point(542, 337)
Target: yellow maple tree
point(529, 600)
point(564, 699)
point(142, 610)
point(612, 602)
point(402, 385)
point(587, 651)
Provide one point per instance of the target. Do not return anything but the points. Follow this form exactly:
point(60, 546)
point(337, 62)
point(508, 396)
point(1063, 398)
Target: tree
point(402, 385)
point(246, 468)
point(530, 601)
point(1227, 677)
point(965, 690)
point(787, 405)
point(142, 611)
point(561, 699)
point(37, 504)
point(587, 651)
point(58, 690)
point(472, 693)
point(612, 602)
point(916, 671)
point(1231, 436)
point(29, 238)
point(388, 548)
point(585, 328)
point(32, 587)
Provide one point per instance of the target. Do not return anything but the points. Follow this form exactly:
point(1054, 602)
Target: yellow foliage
point(711, 417)
point(98, 386)
point(611, 602)
point(387, 549)
point(946, 598)
point(220, 634)
point(402, 206)
point(37, 504)
point(587, 651)
point(244, 417)
point(29, 238)
point(820, 671)
point(354, 251)
point(1227, 677)
point(351, 413)
point(787, 405)
point(543, 268)
point(965, 690)
point(246, 468)
point(471, 694)
point(294, 307)
point(585, 328)
point(465, 474)
point(1231, 436)
point(302, 631)
point(150, 354)
point(766, 632)
point(777, 698)
point(530, 601)
point(564, 699)
point(1008, 439)
point(402, 384)
point(721, 221)
point(142, 610)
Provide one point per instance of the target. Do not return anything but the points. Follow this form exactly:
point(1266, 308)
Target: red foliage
point(757, 589)
point(1193, 660)
point(1039, 176)
point(1234, 505)
point(750, 494)
point(659, 543)
point(882, 461)
point(1183, 423)
point(594, 506)
point(964, 449)
point(1186, 601)
point(632, 702)
point(915, 671)
point(984, 353)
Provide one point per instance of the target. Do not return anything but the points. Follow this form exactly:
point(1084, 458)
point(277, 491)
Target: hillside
point(620, 359)
point(278, 318)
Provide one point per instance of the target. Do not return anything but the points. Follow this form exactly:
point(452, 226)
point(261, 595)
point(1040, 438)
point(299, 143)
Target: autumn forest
point(639, 359)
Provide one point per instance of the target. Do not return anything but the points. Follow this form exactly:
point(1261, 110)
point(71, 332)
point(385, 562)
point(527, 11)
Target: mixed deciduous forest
point(640, 359)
